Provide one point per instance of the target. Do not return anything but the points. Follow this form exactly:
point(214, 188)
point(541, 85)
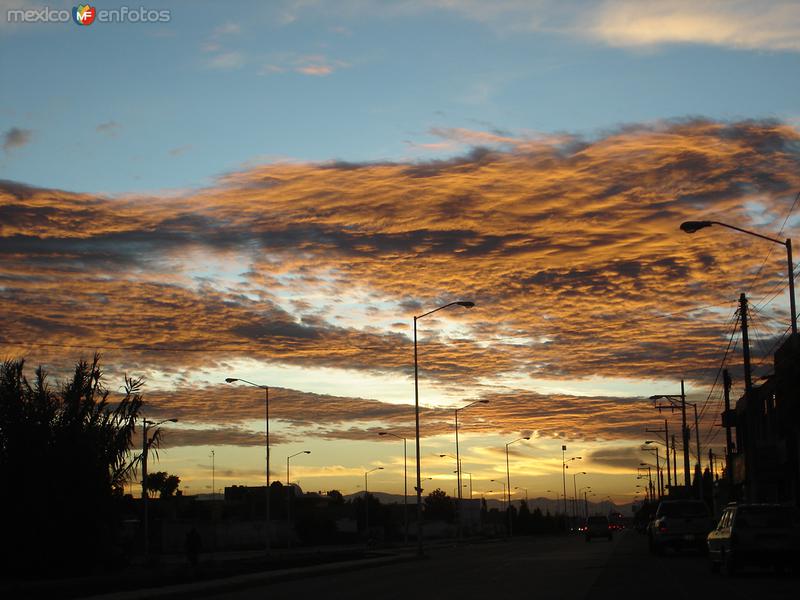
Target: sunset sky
point(271, 191)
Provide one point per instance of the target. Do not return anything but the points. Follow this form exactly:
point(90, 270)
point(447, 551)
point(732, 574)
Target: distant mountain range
point(544, 504)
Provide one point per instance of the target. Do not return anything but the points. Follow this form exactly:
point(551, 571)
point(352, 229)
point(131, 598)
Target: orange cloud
point(569, 247)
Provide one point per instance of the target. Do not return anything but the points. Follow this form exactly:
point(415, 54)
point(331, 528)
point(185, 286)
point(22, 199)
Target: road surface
point(541, 568)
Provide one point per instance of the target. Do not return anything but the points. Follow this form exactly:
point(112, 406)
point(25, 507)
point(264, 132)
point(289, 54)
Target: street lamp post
point(458, 462)
point(693, 226)
point(575, 494)
point(266, 423)
point(585, 489)
point(525, 490)
point(146, 443)
point(366, 499)
point(289, 493)
point(508, 481)
point(416, 417)
point(405, 481)
point(564, 468)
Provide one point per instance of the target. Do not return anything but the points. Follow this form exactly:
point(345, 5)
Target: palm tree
point(62, 454)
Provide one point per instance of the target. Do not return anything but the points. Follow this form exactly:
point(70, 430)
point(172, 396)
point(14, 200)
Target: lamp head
point(649, 441)
point(483, 401)
point(172, 420)
point(381, 433)
point(527, 437)
point(380, 468)
point(230, 380)
point(466, 304)
point(693, 226)
point(306, 451)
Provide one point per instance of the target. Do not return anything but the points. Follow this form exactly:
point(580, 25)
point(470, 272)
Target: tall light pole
point(146, 443)
point(503, 483)
point(673, 404)
point(405, 481)
point(289, 494)
point(266, 422)
point(575, 494)
point(465, 304)
point(458, 460)
point(693, 226)
point(508, 482)
point(585, 506)
point(366, 499)
point(564, 468)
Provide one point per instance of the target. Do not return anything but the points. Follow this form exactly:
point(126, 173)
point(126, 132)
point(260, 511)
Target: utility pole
point(145, 450)
point(750, 482)
point(213, 477)
point(699, 461)
point(687, 480)
point(726, 382)
point(564, 476)
point(674, 459)
point(666, 445)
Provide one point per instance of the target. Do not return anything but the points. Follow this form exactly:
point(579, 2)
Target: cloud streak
point(569, 246)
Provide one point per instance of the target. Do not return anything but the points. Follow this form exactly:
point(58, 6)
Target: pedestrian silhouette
point(193, 545)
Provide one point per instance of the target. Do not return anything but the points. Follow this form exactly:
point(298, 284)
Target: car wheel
point(731, 566)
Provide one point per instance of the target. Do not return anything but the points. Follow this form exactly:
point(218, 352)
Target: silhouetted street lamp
point(416, 416)
point(575, 493)
point(266, 422)
point(405, 480)
point(289, 493)
point(145, 450)
point(458, 459)
point(503, 483)
point(508, 481)
point(564, 468)
point(366, 498)
point(693, 226)
point(526, 492)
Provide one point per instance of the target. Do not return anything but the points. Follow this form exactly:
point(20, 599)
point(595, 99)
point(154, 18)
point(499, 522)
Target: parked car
point(755, 534)
point(680, 524)
point(597, 527)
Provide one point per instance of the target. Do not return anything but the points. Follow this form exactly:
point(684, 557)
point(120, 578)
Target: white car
point(755, 534)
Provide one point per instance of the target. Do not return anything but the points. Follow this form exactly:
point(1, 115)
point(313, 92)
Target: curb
point(213, 586)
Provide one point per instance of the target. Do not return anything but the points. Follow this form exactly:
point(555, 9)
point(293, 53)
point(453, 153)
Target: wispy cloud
point(16, 137)
point(570, 247)
point(226, 60)
point(316, 65)
point(109, 128)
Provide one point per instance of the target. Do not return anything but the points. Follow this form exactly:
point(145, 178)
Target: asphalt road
point(540, 568)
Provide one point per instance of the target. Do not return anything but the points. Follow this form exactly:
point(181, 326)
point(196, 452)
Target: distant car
point(679, 524)
point(597, 527)
point(755, 534)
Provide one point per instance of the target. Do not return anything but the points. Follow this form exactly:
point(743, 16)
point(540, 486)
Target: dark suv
point(755, 534)
point(680, 524)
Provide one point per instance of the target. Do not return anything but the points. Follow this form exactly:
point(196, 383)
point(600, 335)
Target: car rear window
point(597, 520)
point(683, 509)
point(766, 517)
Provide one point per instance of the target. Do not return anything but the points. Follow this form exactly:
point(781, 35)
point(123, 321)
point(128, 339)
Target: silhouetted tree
point(336, 497)
point(438, 505)
point(163, 483)
point(65, 451)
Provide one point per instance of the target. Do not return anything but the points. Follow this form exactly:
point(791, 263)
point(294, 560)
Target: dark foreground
point(541, 568)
